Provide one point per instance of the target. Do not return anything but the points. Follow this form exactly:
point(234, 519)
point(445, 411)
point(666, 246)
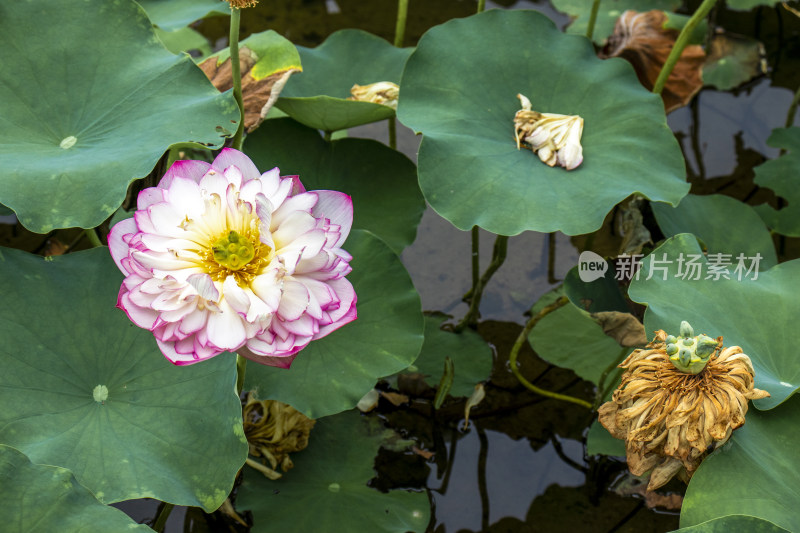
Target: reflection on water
point(515, 474)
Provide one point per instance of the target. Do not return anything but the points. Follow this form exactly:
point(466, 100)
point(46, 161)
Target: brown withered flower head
point(680, 398)
point(274, 430)
point(642, 39)
point(382, 92)
point(241, 4)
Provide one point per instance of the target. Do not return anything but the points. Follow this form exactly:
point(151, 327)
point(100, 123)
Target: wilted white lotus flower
point(382, 92)
point(555, 138)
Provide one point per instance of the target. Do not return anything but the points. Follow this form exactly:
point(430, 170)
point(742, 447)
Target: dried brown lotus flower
point(556, 139)
point(680, 398)
point(274, 430)
point(642, 39)
point(382, 92)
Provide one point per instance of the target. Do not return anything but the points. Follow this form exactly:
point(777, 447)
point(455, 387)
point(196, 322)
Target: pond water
point(521, 465)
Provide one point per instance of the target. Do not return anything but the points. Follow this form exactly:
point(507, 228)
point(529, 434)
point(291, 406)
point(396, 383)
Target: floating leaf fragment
point(642, 39)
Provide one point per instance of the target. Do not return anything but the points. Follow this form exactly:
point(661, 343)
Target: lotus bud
point(556, 139)
point(670, 419)
point(382, 92)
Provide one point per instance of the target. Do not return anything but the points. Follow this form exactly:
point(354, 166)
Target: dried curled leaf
point(259, 94)
point(274, 430)
point(642, 39)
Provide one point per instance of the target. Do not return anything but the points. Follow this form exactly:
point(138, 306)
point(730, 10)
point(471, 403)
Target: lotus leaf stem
point(164, 509)
point(680, 44)
point(392, 133)
point(400, 26)
point(551, 258)
point(481, 6)
point(498, 258)
point(91, 234)
point(523, 338)
point(236, 74)
point(476, 257)
point(241, 366)
point(592, 19)
point(792, 109)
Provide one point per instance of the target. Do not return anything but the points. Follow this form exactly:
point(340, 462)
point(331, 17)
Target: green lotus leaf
point(755, 474)
point(747, 312)
point(607, 15)
point(471, 357)
point(602, 294)
point(382, 182)
point(747, 5)
point(723, 223)
point(171, 15)
point(780, 175)
point(43, 499)
point(184, 40)
point(729, 523)
point(327, 492)
point(85, 389)
point(77, 127)
point(5, 211)
point(459, 89)
point(318, 97)
point(568, 337)
point(333, 373)
point(733, 60)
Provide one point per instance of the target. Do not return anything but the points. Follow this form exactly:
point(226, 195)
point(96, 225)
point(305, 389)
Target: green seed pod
point(671, 339)
point(672, 349)
point(686, 329)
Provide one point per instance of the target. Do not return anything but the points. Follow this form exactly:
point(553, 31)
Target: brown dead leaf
point(258, 96)
point(425, 454)
point(622, 327)
point(642, 40)
point(54, 247)
point(395, 398)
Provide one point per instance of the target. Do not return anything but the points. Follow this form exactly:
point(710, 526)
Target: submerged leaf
point(642, 39)
point(732, 60)
point(780, 175)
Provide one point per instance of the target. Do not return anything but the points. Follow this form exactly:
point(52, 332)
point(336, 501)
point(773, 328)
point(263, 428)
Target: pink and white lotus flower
point(219, 257)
